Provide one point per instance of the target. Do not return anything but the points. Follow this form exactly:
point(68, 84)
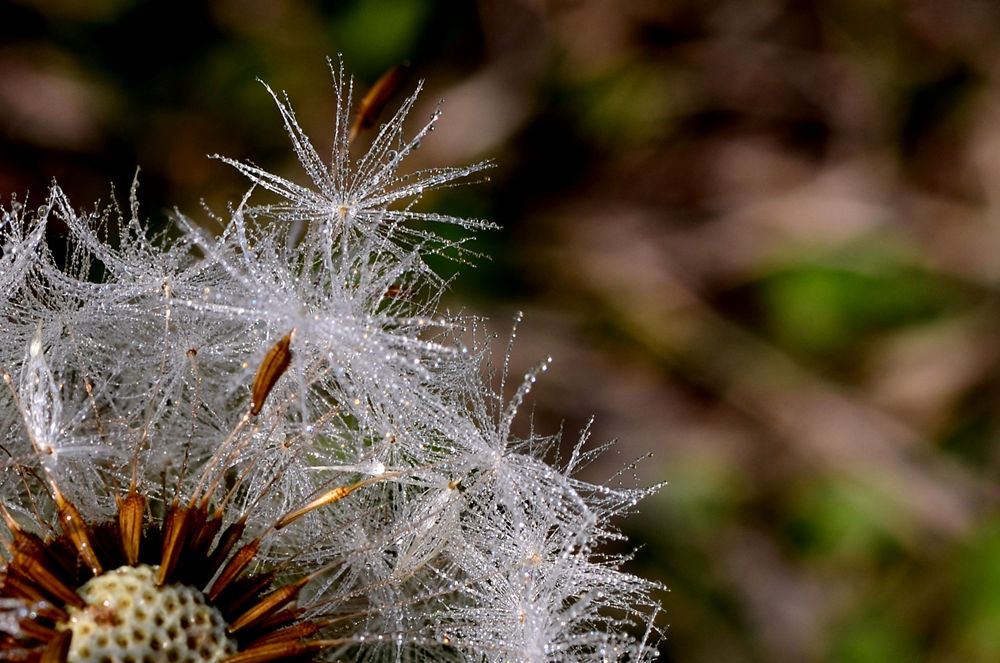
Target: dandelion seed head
point(279, 423)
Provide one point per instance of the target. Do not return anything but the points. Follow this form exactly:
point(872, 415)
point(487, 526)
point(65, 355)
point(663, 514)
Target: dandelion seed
point(377, 98)
point(273, 366)
point(366, 201)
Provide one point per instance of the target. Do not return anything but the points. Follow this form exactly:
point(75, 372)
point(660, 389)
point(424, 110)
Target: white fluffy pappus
point(280, 417)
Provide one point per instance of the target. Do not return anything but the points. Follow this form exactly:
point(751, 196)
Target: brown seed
point(176, 527)
point(276, 651)
point(58, 648)
point(328, 497)
point(229, 538)
point(15, 586)
point(268, 605)
point(398, 292)
point(78, 532)
point(233, 568)
point(130, 514)
point(243, 591)
point(37, 631)
point(31, 558)
point(297, 631)
point(273, 366)
point(376, 99)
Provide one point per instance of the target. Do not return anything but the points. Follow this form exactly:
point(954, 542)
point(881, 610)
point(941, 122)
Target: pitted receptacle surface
point(128, 619)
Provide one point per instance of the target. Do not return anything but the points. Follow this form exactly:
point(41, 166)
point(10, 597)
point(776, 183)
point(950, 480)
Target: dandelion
point(270, 445)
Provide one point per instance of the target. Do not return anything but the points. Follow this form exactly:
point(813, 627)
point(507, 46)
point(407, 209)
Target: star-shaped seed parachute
point(270, 444)
point(367, 200)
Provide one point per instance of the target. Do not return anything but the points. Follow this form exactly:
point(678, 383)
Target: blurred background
point(760, 238)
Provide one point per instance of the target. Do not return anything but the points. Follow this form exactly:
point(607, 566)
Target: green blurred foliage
point(825, 306)
point(977, 596)
point(873, 636)
point(380, 33)
point(841, 521)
